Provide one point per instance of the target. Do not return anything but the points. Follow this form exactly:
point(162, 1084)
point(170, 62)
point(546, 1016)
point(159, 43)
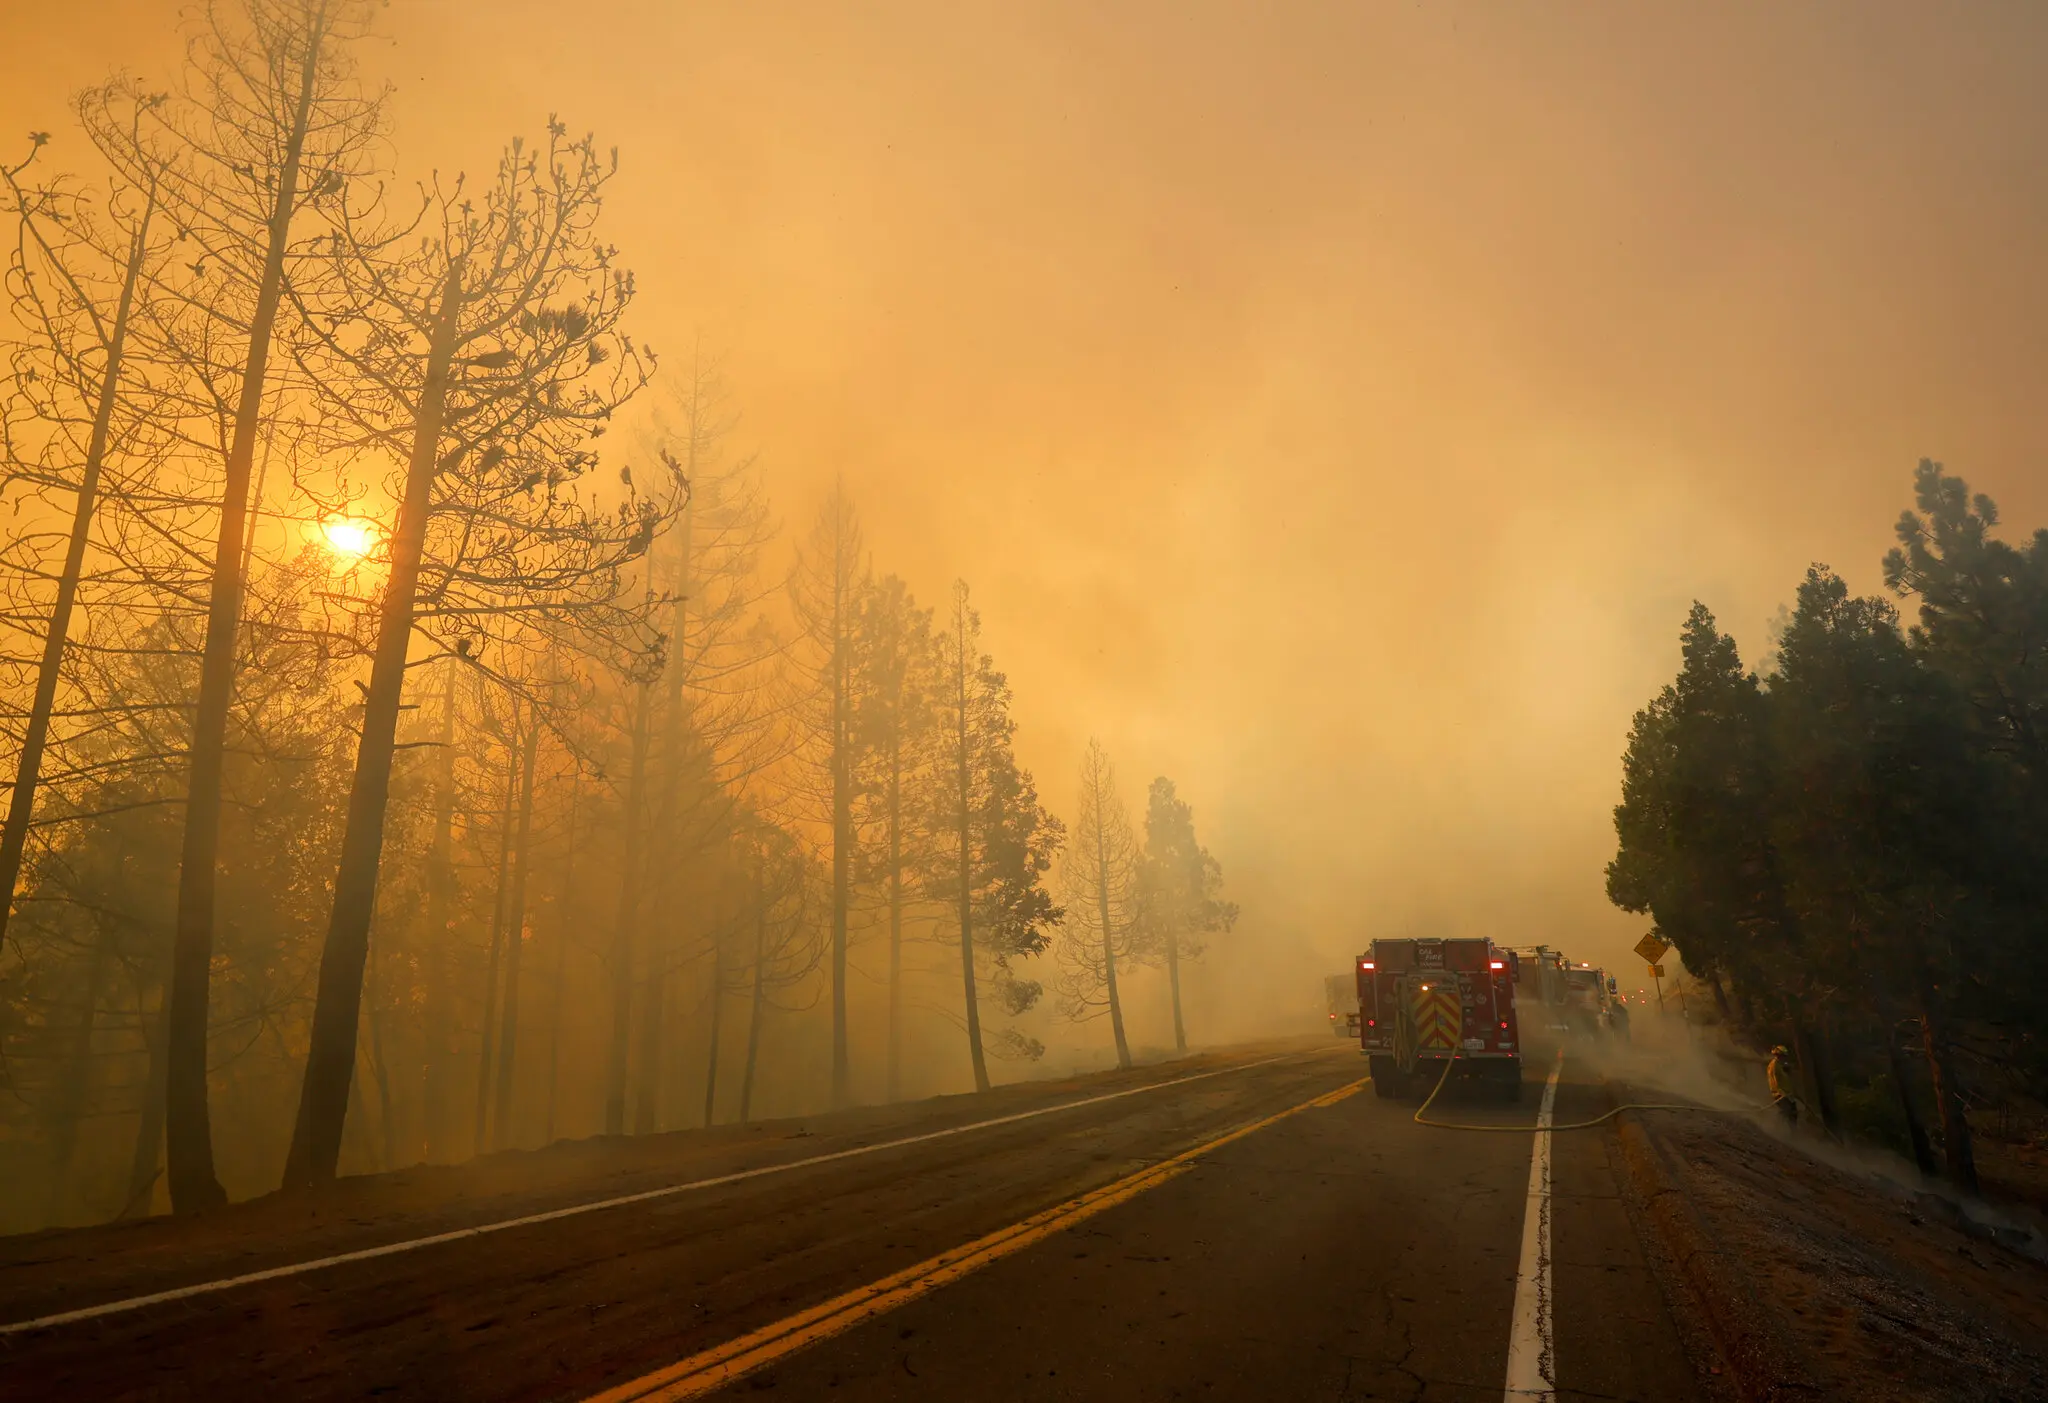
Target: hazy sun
point(348, 536)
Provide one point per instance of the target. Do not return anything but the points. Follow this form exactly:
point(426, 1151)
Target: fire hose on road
point(1541, 1122)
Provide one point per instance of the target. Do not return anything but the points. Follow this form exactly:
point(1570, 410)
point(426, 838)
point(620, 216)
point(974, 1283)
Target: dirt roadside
point(1833, 1280)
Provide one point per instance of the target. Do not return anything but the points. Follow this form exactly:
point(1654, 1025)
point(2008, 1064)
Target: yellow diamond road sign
point(1652, 947)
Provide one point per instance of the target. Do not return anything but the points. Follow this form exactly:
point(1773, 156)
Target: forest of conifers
point(1850, 848)
point(401, 766)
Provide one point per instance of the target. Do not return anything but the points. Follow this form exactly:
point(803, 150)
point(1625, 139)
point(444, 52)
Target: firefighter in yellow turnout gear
point(1779, 1074)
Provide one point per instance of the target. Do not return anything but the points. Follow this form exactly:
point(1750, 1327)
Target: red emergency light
point(1496, 964)
point(1365, 964)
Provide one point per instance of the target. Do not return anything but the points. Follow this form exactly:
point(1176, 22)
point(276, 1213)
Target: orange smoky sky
point(1334, 405)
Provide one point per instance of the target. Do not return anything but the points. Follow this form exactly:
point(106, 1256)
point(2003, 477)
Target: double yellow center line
point(714, 1368)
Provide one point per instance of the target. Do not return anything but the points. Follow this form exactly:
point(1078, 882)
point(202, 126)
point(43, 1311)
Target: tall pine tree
point(993, 843)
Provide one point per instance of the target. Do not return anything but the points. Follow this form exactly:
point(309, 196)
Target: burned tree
point(492, 352)
point(271, 123)
point(73, 279)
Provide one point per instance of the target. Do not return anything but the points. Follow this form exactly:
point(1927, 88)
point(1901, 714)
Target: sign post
point(1653, 947)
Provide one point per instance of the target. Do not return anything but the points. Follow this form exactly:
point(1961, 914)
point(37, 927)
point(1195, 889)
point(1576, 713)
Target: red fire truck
point(1429, 1008)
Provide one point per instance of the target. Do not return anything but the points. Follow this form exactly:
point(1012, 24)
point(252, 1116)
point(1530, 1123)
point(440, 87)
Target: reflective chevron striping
point(1438, 1018)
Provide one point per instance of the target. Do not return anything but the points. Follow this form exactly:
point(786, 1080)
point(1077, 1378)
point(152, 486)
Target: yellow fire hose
point(1525, 1129)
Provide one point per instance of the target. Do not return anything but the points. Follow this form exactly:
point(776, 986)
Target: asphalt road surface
point(1251, 1225)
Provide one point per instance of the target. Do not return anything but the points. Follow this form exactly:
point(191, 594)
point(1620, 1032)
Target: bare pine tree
point(896, 722)
point(271, 122)
point(626, 925)
point(493, 352)
point(825, 593)
point(62, 277)
point(1099, 879)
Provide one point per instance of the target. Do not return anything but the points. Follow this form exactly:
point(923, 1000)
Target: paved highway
point(1251, 1225)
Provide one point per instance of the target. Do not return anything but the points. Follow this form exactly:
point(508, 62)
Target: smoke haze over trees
point(1189, 340)
point(426, 740)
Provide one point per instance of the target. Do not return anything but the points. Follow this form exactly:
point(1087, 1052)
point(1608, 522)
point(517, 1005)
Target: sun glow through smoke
point(348, 536)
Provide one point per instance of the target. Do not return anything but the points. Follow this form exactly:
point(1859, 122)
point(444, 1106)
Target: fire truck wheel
point(1387, 1082)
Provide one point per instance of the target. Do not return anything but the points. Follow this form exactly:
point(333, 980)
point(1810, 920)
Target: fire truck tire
point(1388, 1083)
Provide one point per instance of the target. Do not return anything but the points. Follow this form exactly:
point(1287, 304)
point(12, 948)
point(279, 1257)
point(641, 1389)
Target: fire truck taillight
point(1503, 1023)
point(1496, 964)
point(1372, 1023)
point(1365, 964)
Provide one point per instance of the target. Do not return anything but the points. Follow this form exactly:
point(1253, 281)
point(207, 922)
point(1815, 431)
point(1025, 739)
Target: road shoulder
point(1816, 1281)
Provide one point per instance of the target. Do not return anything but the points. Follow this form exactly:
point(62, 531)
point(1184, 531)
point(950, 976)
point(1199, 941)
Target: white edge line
point(390, 1249)
point(1532, 1367)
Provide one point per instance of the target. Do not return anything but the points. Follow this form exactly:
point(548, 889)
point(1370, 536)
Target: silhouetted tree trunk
point(1104, 884)
point(1116, 1007)
point(1958, 1154)
point(373, 1014)
point(963, 781)
point(356, 1127)
point(1820, 1075)
point(515, 929)
point(717, 1028)
point(561, 962)
point(29, 761)
point(647, 1093)
point(623, 932)
point(330, 1061)
point(668, 933)
point(1916, 1129)
point(143, 1165)
point(842, 824)
point(440, 901)
point(487, 1058)
point(760, 988)
point(896, 672)
point(895, 1085)
point(1180, 891)
point(188, 1132)
point(826, 590)
point(1180, 1036)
